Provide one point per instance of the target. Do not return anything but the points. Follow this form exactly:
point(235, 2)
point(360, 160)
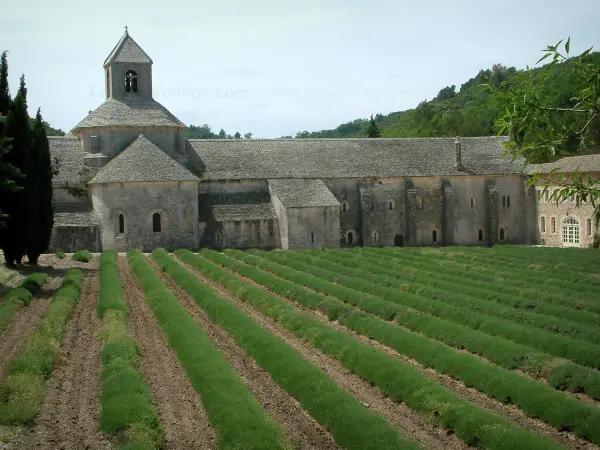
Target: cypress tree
point(373, 130)
point(41, 217)
point(4, 92)
point(16, 204)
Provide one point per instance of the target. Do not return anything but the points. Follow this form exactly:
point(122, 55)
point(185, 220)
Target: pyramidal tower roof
point(142, 161)
point(128, 51)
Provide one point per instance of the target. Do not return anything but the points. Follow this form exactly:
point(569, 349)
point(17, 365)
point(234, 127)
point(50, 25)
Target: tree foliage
point(373, 129)
point(552, 112)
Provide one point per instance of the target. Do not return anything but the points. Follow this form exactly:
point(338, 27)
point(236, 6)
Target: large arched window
point(570, 232)
point(131, 81)
point(156, 223)
point(345, 206)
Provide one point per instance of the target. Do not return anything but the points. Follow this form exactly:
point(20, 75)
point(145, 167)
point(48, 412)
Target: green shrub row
point(239, 420)
point(535, 296)
point(82, 256)
point(487, 302)
point(526, 281)
point(521, 271)
point(352, 425)
point(534, 398)
point(577, 259)
point(400, 381)
point(60, 254)
point(561, 374)
point(581, 352)
point(126, 401)
point(22, 392)
point(20, 296)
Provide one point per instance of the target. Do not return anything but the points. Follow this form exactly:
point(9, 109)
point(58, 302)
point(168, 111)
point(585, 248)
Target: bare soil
point(14, 337)
point(509, 411)
point(304, 431)
point(413, 425)
point(69, 418)
point(179, 407)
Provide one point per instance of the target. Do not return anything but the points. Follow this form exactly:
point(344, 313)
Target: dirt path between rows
point(509, 411)
point(414, 426)
point(13, 339)
point(179, 407)
point(304, 431)
point(69, 418)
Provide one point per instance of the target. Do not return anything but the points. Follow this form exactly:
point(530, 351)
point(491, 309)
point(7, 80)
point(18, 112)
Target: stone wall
point(551, 217)
point(313, 227)
point(71, 239)
point(241, 234)
point(176, 202)
point(117, 79)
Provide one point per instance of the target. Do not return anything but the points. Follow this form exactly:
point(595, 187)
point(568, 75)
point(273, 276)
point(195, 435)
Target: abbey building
point(148, 186)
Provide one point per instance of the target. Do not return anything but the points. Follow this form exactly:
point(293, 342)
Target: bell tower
point(128, 71)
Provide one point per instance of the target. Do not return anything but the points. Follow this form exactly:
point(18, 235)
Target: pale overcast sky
point(275, 67)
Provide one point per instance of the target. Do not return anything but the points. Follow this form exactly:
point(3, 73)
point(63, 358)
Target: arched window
point(344, 206)
point(391, 204)
point(156, 223)
point(349, 238)
point(480, 235)
point(434, 236)
point(508, 201)
point(543, 224)
point(131, 81)
point(502, 234)
point(121, 223)
point(473, 202)
point(570, 232)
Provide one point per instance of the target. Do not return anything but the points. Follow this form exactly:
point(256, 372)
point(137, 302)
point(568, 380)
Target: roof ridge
point(350, 139)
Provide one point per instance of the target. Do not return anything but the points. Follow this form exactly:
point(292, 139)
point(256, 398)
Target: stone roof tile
point(584, 163)
point(127, 50)
point(74, 214)
point(67, 152)
point(350, 158)
point(142, 161)
point(302, 193)
point(132, 111)
point(236, 207)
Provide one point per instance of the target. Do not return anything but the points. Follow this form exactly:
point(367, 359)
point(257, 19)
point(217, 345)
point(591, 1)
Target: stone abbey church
point(148, 186)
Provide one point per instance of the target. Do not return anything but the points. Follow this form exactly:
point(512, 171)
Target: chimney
point(458, 147)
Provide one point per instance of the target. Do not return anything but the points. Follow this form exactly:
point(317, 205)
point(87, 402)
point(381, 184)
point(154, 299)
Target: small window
point(480, 235)
point(218, 238)
point(553, 225)
point(258, 236)
point(473, 202)
point(502, 234)
point(121, 223)
point(156, 223)
point(543, 224)
point(504, 201)
point(312, 238)
point(375, 237)
point(391, 204)
point(434, 236)
point(344, 206)
point(94, 143)
point(508, 201)
point(131, 81)
point(419, 203)
point(589, 227)
point(350, 238)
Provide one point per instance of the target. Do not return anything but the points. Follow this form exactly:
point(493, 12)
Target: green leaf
point(568, 45)
point(543, 57)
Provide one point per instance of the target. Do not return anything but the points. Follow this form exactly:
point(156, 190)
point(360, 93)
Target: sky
point(276, 67)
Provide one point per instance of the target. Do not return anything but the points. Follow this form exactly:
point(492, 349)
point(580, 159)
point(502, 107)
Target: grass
point(82, 256)
point(239, 420)
point(126, 401)
point(398, 380)
point(22, 392)
point(351, 424)
point(19, 297)
point(534, 398)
